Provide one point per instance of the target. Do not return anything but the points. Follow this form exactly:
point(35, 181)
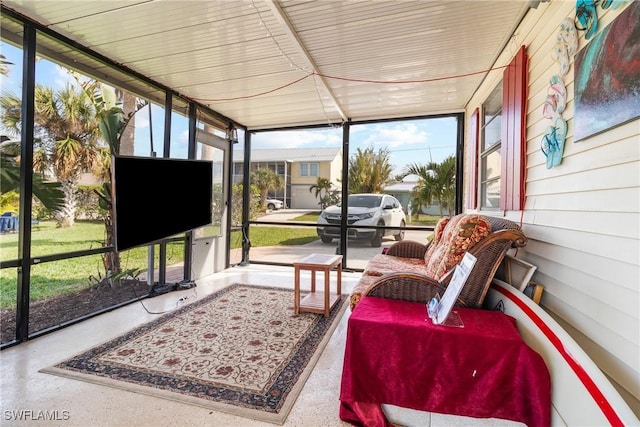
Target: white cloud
point(142, 118)
point(401, 134)
point(60, 77)
point(183, 137)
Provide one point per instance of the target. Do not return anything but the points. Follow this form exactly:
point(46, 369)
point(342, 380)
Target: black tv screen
point(155, 198)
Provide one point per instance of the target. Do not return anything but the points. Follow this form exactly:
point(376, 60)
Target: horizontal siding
point(609, 339)
point(582, 273)
point(623, 375)
point(623, 249)
point(582, 217)
point(605, 200)
point(603, 225)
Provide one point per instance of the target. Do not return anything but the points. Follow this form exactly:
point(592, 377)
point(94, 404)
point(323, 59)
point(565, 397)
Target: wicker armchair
point(416, 287)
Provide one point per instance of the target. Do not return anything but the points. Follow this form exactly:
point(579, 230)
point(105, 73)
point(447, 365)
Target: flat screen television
point(155, 198)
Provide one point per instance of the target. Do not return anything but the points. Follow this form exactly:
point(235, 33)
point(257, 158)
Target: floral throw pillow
point(461, 233)
point(437, 236)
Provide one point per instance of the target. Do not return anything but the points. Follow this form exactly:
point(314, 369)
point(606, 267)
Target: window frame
point(487, 148)
point(513, 137)
point(306, 169)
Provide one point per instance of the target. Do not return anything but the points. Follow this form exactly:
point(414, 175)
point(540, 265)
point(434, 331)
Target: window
point(472, 150)
point(490, 161)
point(503, 139)
point(308, 169)
point(391, 201)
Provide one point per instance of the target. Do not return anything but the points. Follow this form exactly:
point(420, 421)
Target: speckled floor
point(32, 396)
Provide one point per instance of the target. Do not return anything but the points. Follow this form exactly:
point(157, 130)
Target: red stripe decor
point(589, 384)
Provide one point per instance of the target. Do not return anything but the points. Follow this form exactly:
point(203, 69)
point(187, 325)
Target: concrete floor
point(25, 391)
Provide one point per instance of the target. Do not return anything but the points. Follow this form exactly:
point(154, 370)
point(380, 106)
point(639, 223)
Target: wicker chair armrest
point(413, 287)
point(408, 249)
point(513, 238)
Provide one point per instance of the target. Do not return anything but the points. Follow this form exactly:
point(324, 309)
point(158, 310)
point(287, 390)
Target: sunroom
point(497, 87)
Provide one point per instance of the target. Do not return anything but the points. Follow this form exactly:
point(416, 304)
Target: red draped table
point(395, 355)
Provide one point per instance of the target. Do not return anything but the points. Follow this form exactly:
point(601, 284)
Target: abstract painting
point(607, 80)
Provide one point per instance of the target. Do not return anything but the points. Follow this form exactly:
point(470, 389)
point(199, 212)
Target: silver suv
point(364, 209)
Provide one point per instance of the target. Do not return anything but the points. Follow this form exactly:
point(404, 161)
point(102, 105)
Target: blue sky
point(416, 141)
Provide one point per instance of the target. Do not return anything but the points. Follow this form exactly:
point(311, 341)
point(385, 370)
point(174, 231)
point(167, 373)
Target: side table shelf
point(322, 301)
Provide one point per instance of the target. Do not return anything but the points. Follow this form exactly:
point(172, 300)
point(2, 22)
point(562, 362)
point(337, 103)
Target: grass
point(309, 217)
point(282, 236)
point(263, 235)
point(422, 219)
point(69, 275)
point(416, 220)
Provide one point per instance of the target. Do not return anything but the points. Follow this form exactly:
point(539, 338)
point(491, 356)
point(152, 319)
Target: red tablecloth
point(394, 354)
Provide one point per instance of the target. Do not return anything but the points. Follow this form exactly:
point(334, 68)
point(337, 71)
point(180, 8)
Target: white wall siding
point(582, 217)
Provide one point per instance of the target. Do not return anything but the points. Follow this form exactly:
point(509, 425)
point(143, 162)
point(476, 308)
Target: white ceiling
point(281, 63)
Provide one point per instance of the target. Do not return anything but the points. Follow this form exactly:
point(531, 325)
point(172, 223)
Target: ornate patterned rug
point(240, 350)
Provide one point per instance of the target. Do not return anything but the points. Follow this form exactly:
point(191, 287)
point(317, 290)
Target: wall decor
point(552, 144)
point(607, 80)
point(587, 17)
point(566, 45)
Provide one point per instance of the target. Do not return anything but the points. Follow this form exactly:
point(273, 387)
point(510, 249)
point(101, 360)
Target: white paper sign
point(460, 275)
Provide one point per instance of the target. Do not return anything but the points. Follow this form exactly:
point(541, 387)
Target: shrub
point(88, 207)
point(9, 201)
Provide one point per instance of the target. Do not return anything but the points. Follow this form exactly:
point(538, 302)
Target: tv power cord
point(179, 302)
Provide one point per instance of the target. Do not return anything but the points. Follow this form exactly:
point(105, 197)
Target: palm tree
point(369, 172)
point(322, 185)
point(265, 180)
point(4, 69)
point(48, 193)
point(130, 106)
point(446, 173)
point(113, 123)
point(437, 182)
point(67, 139)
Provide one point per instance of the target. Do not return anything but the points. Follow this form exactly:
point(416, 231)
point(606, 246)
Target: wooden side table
point(317, 302)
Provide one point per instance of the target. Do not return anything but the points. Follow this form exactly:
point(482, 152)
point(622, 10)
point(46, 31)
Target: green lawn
point(309, 217)
point(68, 276)
point(422, 220)
point(277, 236)
point(416, 220)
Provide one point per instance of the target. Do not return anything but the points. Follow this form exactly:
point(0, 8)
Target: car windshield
point(364, 201)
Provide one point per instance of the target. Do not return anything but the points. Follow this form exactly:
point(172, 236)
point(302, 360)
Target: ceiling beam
point(281, 17)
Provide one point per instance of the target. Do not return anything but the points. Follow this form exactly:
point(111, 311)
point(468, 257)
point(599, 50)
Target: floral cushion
point(384, 264)
point(437, 236)
point(460, 234)
point(363, 285)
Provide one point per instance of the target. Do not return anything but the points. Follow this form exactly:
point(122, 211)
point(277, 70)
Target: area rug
point(240, 350)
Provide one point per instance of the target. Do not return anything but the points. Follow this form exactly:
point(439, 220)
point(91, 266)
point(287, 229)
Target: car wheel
point(376, 242)
point(326, 239)
point(400, 235)
point(271, 206)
